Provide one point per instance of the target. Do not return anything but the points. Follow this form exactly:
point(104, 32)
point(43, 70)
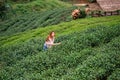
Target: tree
point(5, 9)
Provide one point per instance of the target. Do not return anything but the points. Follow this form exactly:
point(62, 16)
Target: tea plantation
point(26, 6)
point(89, 50)
point(34, 20)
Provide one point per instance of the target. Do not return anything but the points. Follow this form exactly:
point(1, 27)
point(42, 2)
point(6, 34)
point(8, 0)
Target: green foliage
point(115, 75)
point(20, 51)
point(89, 50)
point(6, 10)
point(92, 1)
point(87, 55)
point(35, 20)
point(22, 0)
point(39, 5)
point(3, 9)
point(67, 0)
point(61, 29)
point(76, 58)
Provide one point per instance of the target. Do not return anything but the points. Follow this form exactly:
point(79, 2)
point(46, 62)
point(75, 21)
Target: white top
point(49, 43)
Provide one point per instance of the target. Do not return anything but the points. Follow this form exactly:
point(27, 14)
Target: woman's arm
point(56, 44)
point(53, 44)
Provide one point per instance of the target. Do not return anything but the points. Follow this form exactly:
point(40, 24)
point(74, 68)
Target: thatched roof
point(109, 5)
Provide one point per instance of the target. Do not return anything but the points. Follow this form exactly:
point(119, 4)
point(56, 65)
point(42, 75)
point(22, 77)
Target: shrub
point(88, 55)
point(92, 1)
point(115, 75)
point(34, 20)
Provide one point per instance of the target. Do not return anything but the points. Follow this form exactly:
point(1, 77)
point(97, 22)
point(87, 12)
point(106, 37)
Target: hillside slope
point(39, 5)
point(87, 55)
point(34, 20)
point(61, 29)
point(90, 50)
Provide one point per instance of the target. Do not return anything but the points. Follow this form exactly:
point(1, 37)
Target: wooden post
point(92, 13)
point(99, 13)
point(117, 12)
point(105, 13)
point(111, 12)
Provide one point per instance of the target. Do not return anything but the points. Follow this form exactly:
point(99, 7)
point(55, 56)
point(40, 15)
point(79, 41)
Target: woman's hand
point(57, 43)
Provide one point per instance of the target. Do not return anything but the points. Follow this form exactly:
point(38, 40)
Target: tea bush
point(115, 75)
point(75, 58)
point(38, 5)
point(34, 20)
point(99, 66)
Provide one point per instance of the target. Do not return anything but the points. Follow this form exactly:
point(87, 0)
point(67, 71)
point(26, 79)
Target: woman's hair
point(49, 36)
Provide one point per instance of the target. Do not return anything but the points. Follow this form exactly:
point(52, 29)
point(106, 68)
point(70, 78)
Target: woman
point(50, 41)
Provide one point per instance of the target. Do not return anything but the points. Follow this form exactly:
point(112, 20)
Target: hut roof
point(109, 5)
